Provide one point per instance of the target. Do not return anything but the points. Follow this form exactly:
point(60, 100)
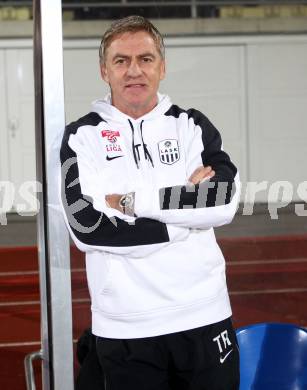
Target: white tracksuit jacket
point(162, 270)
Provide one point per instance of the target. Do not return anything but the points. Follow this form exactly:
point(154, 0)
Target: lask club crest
point(169, 151)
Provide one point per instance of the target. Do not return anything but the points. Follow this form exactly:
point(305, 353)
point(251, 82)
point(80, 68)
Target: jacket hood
point(104, 108)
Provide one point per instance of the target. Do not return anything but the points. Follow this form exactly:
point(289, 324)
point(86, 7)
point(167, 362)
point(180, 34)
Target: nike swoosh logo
point(222, 359)
point(112, 158)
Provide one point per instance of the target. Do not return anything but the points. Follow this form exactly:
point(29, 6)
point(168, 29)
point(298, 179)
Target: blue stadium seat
point(273, 356)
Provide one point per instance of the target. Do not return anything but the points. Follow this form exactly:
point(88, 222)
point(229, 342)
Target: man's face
point(133, 68)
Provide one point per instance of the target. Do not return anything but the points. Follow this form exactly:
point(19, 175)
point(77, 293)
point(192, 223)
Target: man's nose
point(134, 69)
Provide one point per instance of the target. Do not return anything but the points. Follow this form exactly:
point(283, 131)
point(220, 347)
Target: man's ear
point(162, 70)
point(104, 73)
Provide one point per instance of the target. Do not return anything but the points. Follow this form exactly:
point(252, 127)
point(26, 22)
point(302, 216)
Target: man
point(144, 183)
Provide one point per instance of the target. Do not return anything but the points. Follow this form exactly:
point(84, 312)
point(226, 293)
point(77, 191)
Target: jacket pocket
point(106, 287)
point(99, 275)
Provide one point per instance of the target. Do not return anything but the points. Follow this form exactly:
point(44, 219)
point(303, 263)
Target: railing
point(29, 371)
point(152, 9)
point(175, 3)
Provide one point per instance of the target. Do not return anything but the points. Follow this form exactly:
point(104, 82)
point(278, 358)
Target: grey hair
point(132, 24)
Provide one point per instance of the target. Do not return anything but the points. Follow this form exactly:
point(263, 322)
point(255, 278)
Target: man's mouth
point(135, 85)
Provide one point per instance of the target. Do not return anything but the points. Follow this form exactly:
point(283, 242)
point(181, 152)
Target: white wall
point(254, 89)
point(4, 168)
point(277, 107)
point(82, 81)
point(212, 80)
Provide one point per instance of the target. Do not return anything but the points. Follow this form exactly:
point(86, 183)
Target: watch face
point(122, 201)
point(128, 200)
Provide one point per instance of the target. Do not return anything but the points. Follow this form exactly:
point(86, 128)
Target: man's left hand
point(200, 174)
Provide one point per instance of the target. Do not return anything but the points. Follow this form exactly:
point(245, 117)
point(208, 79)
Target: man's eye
point(147, 59)
point(119, 61)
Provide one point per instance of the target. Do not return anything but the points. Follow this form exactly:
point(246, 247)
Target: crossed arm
point(200, 174)
point(164, 215)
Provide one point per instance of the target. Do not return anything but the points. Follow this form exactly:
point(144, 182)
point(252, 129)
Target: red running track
point(267, 279)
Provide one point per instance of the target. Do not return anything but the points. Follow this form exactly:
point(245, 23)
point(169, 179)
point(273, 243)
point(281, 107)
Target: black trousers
point(205, 358)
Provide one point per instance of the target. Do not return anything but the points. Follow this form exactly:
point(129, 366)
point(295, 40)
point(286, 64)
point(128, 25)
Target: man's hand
point(112, 201)
point(200, 174)
point(123, 203)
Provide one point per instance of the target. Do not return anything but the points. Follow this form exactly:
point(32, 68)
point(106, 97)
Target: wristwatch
point(126, 203)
